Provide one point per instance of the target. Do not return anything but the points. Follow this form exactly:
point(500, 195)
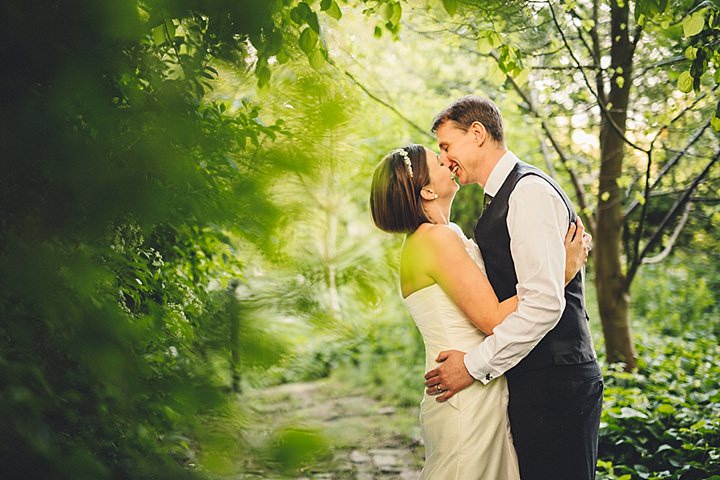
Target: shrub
point(663, 421)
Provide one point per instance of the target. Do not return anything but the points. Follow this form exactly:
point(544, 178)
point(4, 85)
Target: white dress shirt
point(537, 222)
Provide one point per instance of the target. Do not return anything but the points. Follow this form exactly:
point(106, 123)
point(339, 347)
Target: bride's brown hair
point(395, 200)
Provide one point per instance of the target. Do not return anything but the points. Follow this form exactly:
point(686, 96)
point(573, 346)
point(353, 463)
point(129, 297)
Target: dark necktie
point(486, 200)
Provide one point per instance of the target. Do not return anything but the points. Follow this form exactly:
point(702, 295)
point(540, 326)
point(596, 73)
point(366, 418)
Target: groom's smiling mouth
point(454, 169)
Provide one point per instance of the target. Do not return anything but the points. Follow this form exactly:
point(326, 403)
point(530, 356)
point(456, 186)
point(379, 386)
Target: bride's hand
point(577, 248)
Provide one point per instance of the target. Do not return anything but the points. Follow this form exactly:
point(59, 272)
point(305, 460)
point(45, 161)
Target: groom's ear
point(427, 194)
point(479, 132)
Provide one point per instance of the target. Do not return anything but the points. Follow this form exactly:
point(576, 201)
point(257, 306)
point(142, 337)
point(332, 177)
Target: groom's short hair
point(472, 108)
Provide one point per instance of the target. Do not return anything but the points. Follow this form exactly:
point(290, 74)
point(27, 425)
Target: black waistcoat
point(569, 342)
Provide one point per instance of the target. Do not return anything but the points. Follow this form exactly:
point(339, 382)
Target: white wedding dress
point(468, 436)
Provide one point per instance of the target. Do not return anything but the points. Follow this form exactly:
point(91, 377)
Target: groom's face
point(458, 151)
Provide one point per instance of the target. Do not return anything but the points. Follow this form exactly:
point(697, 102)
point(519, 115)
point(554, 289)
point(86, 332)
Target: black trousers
point(555, 417)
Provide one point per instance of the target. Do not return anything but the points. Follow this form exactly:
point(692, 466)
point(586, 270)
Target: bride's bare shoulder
point(434, 236)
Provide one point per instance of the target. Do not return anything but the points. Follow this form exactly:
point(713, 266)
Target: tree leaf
point(397, 14)
point(325, 4)
point(283, 57)
point(693, 24)
point(334, 11)
point(715, 123)
point(312, 20)
point(308, 40)
point(649, 9)
point(450, 6)
point(484, 46)
point(297, 15)
point(522, 77)
point(495, 74)
point(640, 198)
point(388, 11)
point(158, 34)
point(685, 82)
point(317, 59)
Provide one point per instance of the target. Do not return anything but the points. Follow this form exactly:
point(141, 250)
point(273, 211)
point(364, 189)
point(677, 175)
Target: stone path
point(367, 440)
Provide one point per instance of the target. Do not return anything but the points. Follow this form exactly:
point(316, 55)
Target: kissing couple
point(513, 388)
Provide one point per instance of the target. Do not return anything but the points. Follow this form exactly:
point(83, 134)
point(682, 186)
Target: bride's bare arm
point(468, 287)
point(451, 267)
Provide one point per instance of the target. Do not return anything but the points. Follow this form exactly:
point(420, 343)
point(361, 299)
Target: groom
point(543, 348)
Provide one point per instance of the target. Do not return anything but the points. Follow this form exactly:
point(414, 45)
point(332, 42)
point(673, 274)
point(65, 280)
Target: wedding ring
point(438, 388)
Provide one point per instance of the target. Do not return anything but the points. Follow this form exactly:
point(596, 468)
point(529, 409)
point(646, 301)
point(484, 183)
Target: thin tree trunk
point(613, 296)
point(234, 318)
point(331, 235)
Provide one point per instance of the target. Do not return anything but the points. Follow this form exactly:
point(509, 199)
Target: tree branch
point(671, 241)
point(382, 102)
point(600, 102)
point(643, 211)
point(679, 203)
point(646, 193)
point(579, 191)
point(666, 168)
point(596, 47)
point(678, 117)
point(546, 157)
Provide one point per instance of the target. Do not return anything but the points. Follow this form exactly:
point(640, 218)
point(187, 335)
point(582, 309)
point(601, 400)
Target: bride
point(443, 282)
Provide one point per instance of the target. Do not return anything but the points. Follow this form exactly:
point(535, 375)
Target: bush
point(387, 360)
point(663, 421)
point(678, 296)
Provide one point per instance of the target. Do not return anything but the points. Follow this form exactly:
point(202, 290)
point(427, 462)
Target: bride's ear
point(427, 194)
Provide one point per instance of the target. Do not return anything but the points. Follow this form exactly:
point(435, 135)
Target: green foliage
point(293, 448)
point(700, 25)
point(701, 28)
point(649, 8)
point(127, 200)
point(387, 359)
point(663, 421)
point(450, 6)
point(675, 300)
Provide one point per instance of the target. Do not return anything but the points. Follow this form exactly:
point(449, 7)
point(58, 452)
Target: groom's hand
point(450, 377)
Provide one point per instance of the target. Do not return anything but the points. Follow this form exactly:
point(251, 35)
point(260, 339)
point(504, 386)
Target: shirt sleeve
point(537, 222)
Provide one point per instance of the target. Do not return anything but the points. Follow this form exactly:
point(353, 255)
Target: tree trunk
point(233, 311)
point(613, 296)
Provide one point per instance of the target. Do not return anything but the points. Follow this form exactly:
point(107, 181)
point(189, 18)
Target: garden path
point(367, 440)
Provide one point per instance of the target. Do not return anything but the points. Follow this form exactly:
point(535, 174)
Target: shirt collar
point(500, 173)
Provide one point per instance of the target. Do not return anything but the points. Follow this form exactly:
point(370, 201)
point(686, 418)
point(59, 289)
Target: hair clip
point(406, 159)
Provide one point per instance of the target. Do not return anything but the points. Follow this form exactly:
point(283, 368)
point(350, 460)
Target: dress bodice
point(441, 323)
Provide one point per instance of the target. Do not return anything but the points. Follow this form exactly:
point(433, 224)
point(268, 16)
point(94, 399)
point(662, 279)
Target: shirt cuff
point(478, 369)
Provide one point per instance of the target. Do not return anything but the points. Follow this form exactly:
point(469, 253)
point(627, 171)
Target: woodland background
point(184, 220)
